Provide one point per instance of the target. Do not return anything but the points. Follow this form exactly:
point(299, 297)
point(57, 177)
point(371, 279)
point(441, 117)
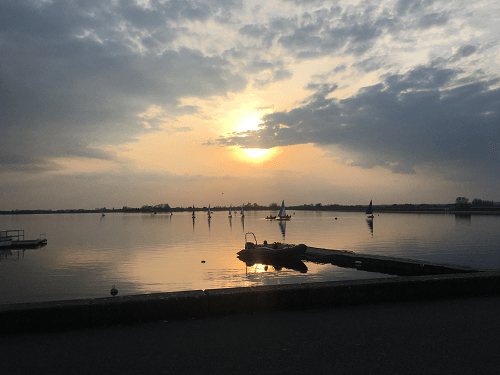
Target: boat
point(242, 213)
point(208, 213)
point(171, 212)
point(276, 250)
point(369, 211)
point(5, 241)
point(270, 217)
point(193, 216)
point(282, 214)
point(230, 214)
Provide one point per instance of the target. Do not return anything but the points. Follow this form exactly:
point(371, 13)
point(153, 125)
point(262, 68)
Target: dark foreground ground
point(439, 337)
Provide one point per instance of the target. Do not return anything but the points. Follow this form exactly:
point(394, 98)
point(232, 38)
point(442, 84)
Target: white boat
point(230, 214)
point(242, 214)
point(369, 211)
point(193, 212)
point(265, 250)
point(208, 213)
point(282, 214)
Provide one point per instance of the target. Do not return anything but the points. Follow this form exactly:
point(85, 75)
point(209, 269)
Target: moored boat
point(5, 241)
point(265, 250)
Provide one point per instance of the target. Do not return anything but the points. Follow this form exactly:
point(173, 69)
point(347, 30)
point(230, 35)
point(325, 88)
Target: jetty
point(19, 242)
point(382, 264)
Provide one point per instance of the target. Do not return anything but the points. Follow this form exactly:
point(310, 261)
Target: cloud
point(75, 76)
point(418, 119)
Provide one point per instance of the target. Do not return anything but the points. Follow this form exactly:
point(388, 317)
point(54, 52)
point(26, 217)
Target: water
point(145, 253)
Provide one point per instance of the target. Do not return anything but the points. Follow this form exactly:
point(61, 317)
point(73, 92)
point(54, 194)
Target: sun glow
point(254, 155)
point(256, 152)
point(250, 123)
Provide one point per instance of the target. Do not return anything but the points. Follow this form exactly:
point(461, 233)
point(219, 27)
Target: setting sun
point(254, 155)
point(256, 152)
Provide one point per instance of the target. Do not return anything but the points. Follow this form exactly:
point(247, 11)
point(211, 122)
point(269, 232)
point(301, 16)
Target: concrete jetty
point(71, 314)
point(382, 264)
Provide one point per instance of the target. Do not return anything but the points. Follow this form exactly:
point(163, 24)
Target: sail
point(369, 211)
point(230, 210)
point(208, 213)
point(242, 208)
point(193, 210)
point(282, 212)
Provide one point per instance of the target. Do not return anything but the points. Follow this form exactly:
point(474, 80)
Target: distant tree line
point(463, 203)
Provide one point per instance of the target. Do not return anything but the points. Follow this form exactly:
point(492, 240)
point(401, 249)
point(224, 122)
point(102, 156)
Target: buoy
point(202, 261)
point(113, 291)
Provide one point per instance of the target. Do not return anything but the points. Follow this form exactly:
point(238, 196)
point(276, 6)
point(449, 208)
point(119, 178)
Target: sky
point(194, 102)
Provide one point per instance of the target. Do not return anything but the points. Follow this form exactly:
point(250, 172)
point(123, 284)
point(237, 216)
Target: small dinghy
point(265, 250)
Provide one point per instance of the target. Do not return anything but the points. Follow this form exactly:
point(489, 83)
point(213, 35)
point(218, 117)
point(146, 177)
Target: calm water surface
point(145, 253)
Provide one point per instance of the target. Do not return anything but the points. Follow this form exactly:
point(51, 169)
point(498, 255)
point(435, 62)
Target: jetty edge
point(198, 304)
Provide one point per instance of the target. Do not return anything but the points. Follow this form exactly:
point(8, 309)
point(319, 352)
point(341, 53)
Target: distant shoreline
point(424, 209)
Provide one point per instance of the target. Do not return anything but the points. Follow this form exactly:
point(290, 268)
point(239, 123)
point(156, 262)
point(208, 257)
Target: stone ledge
point(97, 312)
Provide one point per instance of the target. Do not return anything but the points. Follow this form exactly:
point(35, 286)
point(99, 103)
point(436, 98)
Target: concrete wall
point(258, 299)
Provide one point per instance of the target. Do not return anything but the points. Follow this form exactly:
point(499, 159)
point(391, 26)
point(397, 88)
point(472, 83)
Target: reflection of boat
point(282, 214)
point(370, 225)
point(282, 225)
point(369, 211)
point(230, 214)
point(290, 263)
point(276, 250)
